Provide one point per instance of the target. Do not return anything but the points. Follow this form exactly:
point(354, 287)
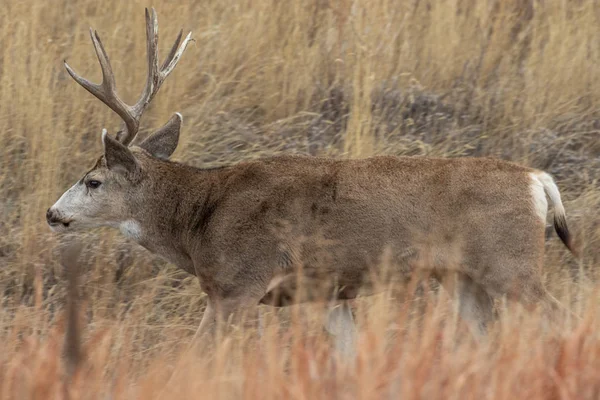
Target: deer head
point(103, 196)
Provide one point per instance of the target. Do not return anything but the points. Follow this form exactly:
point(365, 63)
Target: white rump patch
point(540, 203)
point(131, 229)
point(552, 192)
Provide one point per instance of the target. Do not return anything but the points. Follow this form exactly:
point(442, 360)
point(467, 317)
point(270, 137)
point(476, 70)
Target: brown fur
point(239, 227)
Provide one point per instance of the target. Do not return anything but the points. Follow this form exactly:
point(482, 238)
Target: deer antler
point(106, 91)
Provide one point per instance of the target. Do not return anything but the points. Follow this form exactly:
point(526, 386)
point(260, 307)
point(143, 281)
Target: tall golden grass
point(348, 78)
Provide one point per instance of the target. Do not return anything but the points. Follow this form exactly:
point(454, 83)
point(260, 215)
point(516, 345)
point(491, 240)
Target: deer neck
point(171, 220)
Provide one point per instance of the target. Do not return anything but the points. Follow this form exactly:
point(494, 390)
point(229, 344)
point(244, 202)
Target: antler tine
point(175, 53)
point(152, 80)
point(106, 91)
point(172, 51)
point(126, 136)
point(108, 77)
point(156, 75)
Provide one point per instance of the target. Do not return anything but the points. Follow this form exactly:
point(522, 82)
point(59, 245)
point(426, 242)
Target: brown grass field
point(516, 79)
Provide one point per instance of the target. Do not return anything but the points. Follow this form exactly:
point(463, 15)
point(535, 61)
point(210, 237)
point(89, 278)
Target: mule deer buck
point(248, 230)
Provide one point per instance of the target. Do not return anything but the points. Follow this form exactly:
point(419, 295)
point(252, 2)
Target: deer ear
point(163, 142)
point(118, 157)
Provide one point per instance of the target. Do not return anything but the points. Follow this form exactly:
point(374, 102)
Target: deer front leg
point(207, 325)
point(216, 315)
point(204, 335)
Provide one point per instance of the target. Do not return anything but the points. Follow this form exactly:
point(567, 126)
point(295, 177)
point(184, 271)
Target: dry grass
point(515, 79)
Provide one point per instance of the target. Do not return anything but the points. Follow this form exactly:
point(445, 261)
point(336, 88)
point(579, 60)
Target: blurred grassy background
point(348, 78)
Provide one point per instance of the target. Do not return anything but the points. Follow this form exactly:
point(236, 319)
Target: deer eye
point(93, 184)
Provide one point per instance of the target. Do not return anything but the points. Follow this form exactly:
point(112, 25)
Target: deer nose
point(52, 217)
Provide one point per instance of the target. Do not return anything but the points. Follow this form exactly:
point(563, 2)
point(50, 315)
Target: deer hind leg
point(532, 294)
point(475, 305)
point(339, 323)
